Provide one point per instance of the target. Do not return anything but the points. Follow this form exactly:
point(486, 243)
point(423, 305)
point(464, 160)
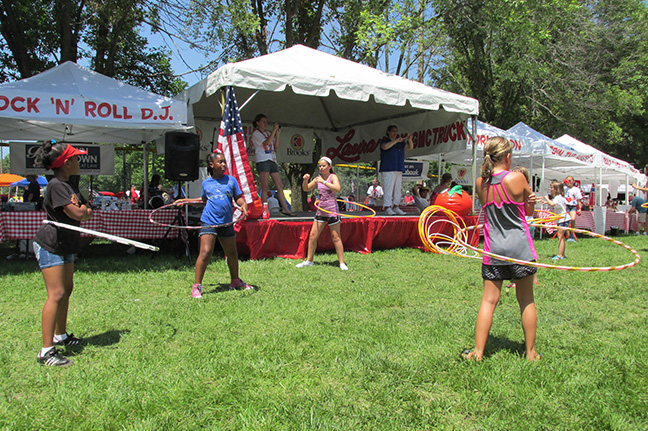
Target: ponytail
point(49, 151)
point(495, 150)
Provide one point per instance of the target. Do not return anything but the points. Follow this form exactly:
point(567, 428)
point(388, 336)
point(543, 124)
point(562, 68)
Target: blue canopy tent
point(42, 181)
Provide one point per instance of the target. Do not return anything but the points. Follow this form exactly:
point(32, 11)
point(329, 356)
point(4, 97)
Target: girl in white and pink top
point(328, 186)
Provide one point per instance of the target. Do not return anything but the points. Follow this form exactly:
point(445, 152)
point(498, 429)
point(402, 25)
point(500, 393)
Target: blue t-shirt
point(393, 159)
point(219, 195)
point(637, 202)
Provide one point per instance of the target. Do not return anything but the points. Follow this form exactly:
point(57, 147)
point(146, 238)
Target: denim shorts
point(47, 260)
point(268, 166)
point(222, 232)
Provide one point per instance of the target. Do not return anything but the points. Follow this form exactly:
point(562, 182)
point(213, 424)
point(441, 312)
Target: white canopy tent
point(72, 104)
point(69, 103)
point(346, 104)
point(531, 152)
point(609, 172)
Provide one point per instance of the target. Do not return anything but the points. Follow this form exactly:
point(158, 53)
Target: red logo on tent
point(297, 142)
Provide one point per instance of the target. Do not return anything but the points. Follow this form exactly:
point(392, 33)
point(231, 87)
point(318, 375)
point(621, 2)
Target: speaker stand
point(183, 236)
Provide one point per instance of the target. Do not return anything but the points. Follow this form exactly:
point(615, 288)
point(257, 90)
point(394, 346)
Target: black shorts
point(268, 166)
point(329, 219)
point(507, 272)
point(571, 208)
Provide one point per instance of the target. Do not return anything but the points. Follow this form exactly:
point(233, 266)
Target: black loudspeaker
point(182, 156)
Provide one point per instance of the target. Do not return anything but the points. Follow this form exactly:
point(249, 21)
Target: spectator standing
point(374, 192)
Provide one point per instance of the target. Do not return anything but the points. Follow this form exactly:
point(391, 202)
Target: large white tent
point(73, 104)
point(346, 104)
point(539, 154)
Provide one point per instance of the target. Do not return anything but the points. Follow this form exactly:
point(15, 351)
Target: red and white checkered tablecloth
point(133, 224)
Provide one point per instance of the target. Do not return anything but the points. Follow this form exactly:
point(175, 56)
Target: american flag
point(232, 144)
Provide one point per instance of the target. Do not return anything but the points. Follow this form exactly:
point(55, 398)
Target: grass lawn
point(373, 348)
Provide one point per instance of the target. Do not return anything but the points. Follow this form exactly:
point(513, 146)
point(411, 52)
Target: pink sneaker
point(196, 291)
point(239, 284)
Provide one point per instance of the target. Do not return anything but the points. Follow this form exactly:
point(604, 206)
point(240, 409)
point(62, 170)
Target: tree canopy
point(561, 66)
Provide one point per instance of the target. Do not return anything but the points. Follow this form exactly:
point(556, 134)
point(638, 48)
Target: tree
point(561, 66)
point(38, 35)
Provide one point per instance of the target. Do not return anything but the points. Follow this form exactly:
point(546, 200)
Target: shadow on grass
point(225, 287)
point(105, 339)
point(496, 344)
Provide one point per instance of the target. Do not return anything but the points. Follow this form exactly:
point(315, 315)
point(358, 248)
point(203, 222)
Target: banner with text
point(100, 159)
point(433, 132)
point(415, 170)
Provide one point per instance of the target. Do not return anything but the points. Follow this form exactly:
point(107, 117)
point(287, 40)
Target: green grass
point(375, 347)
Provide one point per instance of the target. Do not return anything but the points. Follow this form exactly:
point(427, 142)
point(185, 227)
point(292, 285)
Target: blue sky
point(183, 58)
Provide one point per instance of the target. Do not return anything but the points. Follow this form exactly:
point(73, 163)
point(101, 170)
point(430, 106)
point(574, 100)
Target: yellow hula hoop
point(552, 217)
point(644, 205)
point(347, 215)
point(425, 227)
point(460, 235)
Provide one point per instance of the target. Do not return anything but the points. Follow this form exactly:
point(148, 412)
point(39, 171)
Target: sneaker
point(399, 211)
point(571, 240)
point(53, 358)
point(196, 290)
point(240, 285)
point(343, 267)
point(304, 264)
point(557, 258)
point(390, 211)
point(70, 341)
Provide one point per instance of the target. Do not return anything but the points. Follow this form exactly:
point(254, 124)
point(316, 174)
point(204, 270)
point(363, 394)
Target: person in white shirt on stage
point(374, 192)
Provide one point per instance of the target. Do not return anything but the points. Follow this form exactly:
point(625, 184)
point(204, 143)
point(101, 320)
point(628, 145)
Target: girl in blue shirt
point(218, 193)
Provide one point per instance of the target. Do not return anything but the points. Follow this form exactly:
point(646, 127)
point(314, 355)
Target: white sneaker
point(399, 211)
point(304, 264)
point(390, 211)
point(343, 267)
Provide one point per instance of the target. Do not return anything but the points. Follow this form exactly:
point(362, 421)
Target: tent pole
point(542, 180)
point(246, 102)
point(124, 171)
point(531, 174)
point(600, 199)
point(357, 186)
point(473, 134)
point(145, 191)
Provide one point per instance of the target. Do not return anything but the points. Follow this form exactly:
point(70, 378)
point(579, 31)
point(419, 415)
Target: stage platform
point(282, 236)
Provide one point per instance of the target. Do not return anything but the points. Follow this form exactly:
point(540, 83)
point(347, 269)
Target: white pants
point(392, 183)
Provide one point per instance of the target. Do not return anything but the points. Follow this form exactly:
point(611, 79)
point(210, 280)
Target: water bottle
point(266, 213)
